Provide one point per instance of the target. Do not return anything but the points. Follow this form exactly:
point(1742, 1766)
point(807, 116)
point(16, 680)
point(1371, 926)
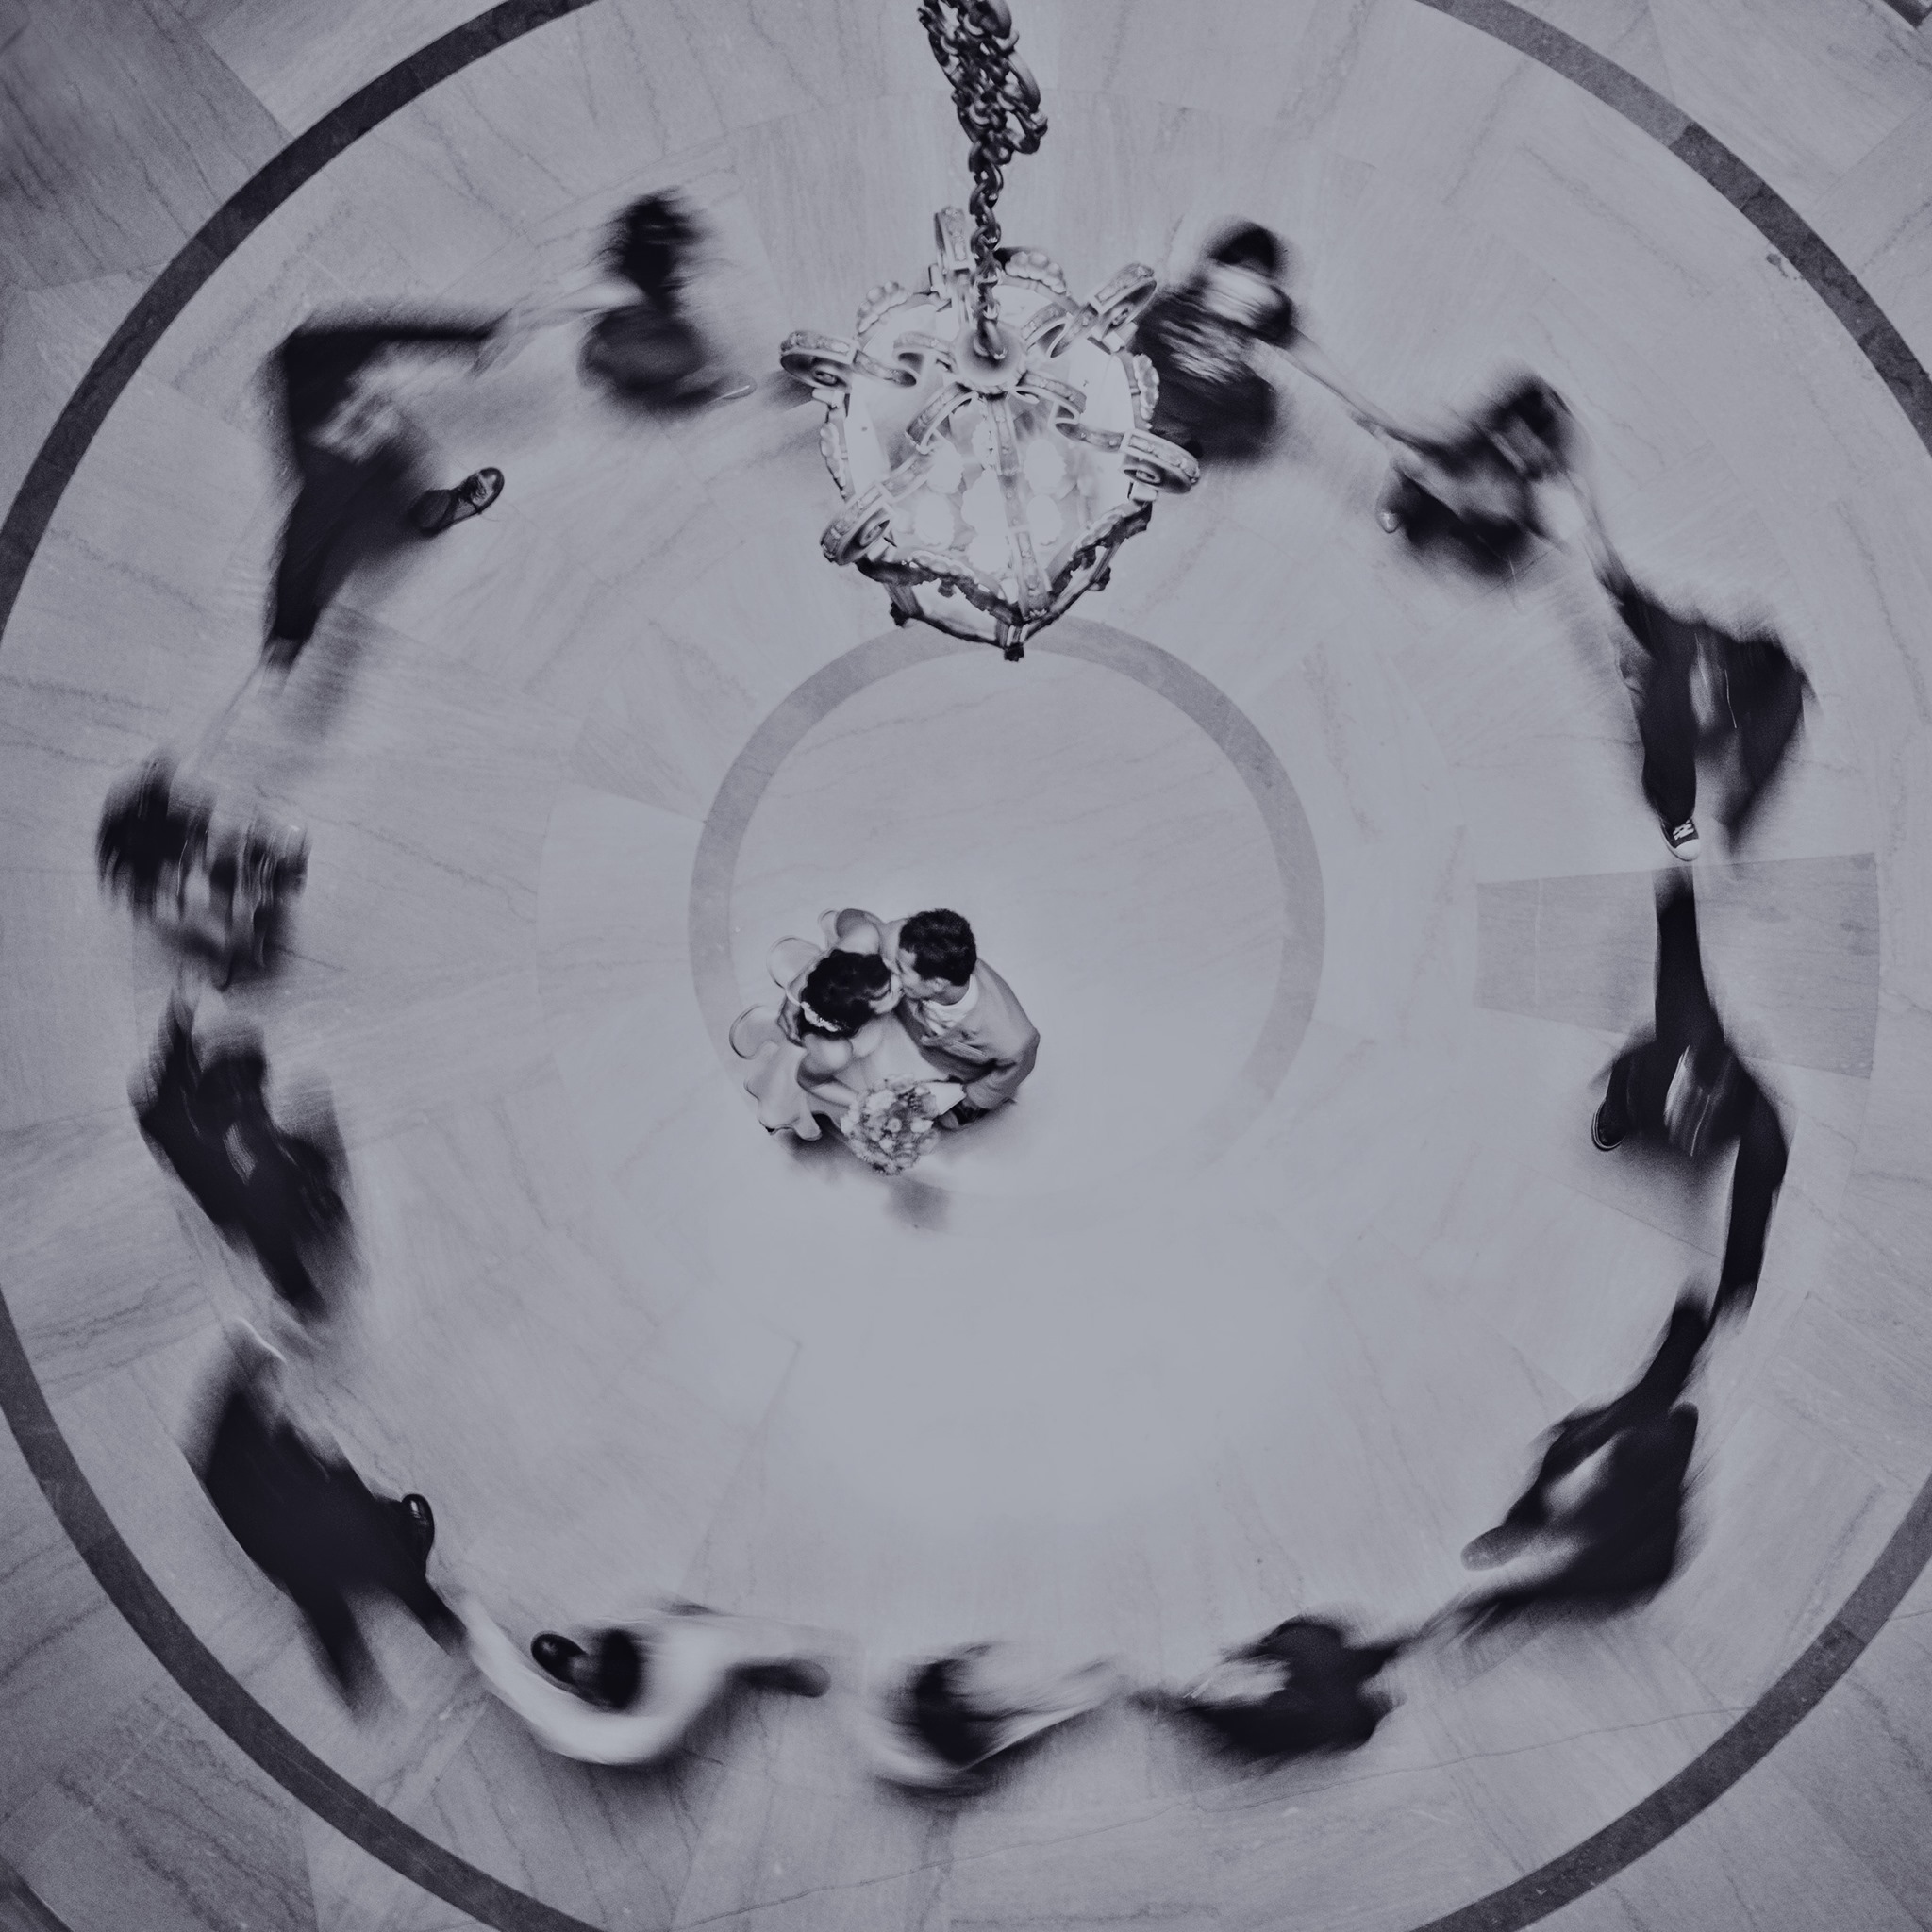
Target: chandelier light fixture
point(990, 433)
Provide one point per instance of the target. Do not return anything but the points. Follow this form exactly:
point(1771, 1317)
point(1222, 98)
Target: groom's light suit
point(990, 1046)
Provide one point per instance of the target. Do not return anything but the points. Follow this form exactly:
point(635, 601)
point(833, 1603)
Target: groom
point(960, 1014)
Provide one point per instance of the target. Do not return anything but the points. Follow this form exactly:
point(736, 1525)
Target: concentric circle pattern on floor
point(1325, 872)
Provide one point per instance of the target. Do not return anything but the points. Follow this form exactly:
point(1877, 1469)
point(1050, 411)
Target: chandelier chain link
point(998, 104)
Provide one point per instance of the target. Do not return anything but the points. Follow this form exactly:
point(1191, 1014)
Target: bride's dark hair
point(837, 995)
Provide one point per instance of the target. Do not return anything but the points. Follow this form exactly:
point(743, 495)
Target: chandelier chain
point(998, 104)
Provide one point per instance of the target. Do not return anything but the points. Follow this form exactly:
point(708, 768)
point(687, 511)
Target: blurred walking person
point(1303, 1687)
point(1735, 697)
point(311, 1523)
point(1479, 490)
point(1207, 339)
point(628, 1694)
point(649, 349)
point(219, 891)
point(363, 485)
point(273, 1190)
point(1684, 1088)
point(1600, 1524)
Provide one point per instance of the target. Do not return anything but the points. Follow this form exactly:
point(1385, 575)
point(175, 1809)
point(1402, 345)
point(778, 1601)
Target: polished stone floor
point(1324, 874)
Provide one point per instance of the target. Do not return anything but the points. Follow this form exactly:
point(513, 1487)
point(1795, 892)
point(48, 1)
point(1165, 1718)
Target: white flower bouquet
point(893, 1126)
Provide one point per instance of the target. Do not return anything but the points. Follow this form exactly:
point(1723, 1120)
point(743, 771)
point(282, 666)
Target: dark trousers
point(1640, 1080)
point(278, 1249)
point(1764, 692)
point(314, 1527)
point(1767, 696)
point(376, 1556)
point(1666, 718)
point(343, 511)
point(1667, 724)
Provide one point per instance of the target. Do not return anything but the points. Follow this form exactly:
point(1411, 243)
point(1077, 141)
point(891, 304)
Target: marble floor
point(1325, 874)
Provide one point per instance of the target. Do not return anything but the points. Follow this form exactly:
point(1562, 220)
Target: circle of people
point(888, 1033)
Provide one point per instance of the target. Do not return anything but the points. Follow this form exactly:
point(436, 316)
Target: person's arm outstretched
point(1315, 363)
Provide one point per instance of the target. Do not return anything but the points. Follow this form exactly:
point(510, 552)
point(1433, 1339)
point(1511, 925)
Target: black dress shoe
point(422, 1523)
point(1600, 1137)
point(554, 1655)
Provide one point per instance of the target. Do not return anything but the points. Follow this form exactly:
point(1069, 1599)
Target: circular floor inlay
point(1147, 883)
point(385, 1835)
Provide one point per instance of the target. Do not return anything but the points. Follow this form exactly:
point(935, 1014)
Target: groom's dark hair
point(942, 946)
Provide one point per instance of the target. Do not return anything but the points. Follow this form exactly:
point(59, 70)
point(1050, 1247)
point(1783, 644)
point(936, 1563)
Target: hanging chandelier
point(989, 432)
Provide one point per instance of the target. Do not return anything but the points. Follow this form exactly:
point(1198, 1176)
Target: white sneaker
point(1683, 839)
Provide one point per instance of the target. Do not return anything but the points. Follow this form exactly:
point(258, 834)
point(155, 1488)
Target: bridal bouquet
point(892, 1126)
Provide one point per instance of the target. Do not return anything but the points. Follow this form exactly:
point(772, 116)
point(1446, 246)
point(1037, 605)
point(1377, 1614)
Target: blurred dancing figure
point(1301, 1687)
point(964, 1019)
point(221, 891)
point(649, 349)
point(1602, 1521)
point(628, 1696)
point(1477, 490)
point(311, 1523)
point(272, 1190)
point(1738, 697)
point(1202, 337)
point(147, 832)
point(1685, 1089)
point(360, 465)
point(947, 1720)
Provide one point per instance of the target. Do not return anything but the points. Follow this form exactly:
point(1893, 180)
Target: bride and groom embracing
point(888, 1029)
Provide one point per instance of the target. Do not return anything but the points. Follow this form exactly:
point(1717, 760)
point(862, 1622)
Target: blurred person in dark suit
point(361, 467)
point(1600, 1524)
point(1735, 697)
point(218, 891)
point(149, 830)
point(1207, 339)
point(1303, 1687)
point(273, 1190)
point(1684, 1089)
point(1479, 490)
point(310, 1522)
point(649, 349)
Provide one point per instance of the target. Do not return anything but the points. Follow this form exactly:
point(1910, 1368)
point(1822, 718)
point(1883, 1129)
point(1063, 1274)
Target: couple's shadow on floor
point(912, 1198)
point(909, 1200)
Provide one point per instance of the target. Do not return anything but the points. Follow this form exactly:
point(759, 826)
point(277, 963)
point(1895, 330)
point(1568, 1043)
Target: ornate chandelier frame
point(997, 492)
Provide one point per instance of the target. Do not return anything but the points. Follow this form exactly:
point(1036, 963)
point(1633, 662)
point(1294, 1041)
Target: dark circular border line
point(218, 238)
point(119, 1573)
point(134, 1593)
point(1818, 265)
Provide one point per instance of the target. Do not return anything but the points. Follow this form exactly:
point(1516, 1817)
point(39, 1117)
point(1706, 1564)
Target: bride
point(836, 1053)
